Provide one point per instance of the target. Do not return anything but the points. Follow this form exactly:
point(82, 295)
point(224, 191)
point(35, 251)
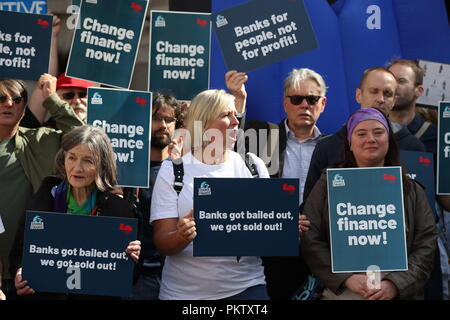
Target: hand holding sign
point(186, 227)
point(22, 285)
point(134, 249)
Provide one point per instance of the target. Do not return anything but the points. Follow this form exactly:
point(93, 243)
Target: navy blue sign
point(104, 48)
point(246, 217)
point(263, 32)
point(26, 6)
point(443, 164)
point(420, 167)
point(367, 222)
point(78, 254)
point(125, 117)
point(24, 45)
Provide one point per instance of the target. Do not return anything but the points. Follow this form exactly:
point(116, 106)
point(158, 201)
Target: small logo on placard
point(137, 7)
point(221, 21)
point(446, 113)
point(201, 22)
point(289, 188)
point(126, 229)
point(141, 101)
point(338, 181)
point(37, 223)
point(204, 189)
point(160, 22)
point(425, 161)
point(43, 23)
point(389, 177)
point(96, 99)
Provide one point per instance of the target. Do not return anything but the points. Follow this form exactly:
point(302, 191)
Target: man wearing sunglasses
point(290, 145)
point(26, 156)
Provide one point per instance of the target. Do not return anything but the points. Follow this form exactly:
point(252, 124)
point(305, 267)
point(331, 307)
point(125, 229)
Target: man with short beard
point(165, 113)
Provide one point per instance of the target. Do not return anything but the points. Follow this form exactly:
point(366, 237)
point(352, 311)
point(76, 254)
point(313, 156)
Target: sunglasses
point(15, 99)
point(71, 94)
point(311, 100)
point(166, 119)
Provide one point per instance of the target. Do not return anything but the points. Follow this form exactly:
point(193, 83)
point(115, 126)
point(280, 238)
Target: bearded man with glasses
point(287, 153)
point(26, 156)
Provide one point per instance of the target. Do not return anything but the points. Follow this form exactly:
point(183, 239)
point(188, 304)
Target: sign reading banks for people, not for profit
point(125, 117)
point(367, 223)
point(25, 6)
point(104, 48)
point(443, 163)
point(179, 53)
point(78, 254)
point(259, 33)
point(246, 217)
point(24, 45)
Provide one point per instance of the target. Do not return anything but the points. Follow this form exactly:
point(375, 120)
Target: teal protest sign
point(443, 163)
point(104, 48)
point(25, 40)
point(420, 167)
point(367, 224)
point(25, 6)
point(246, 217)
point(259, 33)
point(179, 53)
point(78, 254)
point(125, 117)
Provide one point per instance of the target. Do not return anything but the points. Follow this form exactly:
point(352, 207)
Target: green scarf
point(86, 208)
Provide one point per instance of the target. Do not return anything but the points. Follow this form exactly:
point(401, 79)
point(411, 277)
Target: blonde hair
point(205, 107)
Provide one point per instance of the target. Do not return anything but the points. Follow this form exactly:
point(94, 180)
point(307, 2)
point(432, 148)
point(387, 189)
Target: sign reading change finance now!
point(104, 48)
point(367, 223)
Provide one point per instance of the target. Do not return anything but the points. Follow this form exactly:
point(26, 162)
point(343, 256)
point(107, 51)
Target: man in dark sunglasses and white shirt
point(286, 149)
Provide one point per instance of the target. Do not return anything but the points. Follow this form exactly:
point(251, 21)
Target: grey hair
point(99, 144)
point(296, 75)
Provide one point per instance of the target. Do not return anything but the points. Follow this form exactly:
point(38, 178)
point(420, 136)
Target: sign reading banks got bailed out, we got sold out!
point(24, 45)
point(125, 117)
point(104, 48)
point(367, 223)
point(246, 217)
point(259, 33)
point(443, 163)
point(70, 253)
point(179, 53)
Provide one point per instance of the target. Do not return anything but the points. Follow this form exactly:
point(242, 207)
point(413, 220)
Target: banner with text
point(259, 33)
point(367, 221)
point(25, 41)
point(246, 217)
point(70, 253)
point(420, 167)
point(443, 163)
point(125, 117)
point(179, 53)
point(104, 48)
point(25, 6)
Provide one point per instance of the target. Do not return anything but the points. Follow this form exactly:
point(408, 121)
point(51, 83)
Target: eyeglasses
point(311, 100)
point(71, 94)
point(15, 99)
point(167, 120)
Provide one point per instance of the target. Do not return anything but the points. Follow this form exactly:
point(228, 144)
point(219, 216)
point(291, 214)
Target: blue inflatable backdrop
point(353, 35)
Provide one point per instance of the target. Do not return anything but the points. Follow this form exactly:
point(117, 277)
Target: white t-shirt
point(185, 277)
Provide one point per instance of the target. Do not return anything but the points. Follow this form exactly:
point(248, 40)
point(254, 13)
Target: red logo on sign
point(141, 101)
point(202, 23)
point(126, 229)
point(389, 177)
point(288, 188)
point(425, 161)
point(136, 7)
point(43, 23)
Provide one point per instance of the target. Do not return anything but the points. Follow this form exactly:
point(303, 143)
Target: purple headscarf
point(364, 114)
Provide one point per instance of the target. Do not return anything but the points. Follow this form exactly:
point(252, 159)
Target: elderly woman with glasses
point(370, 143)
point(86, 174)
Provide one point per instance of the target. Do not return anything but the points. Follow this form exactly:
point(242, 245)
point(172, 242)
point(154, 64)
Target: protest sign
point(443, 163)
point(25, 6)
point(259, 33)
point(125, 117)
point(246, 217)
point(179, 53)
point(78, 254)
point(104, 48)
point(420, 167)
point(24, 45)
point(367, 223)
